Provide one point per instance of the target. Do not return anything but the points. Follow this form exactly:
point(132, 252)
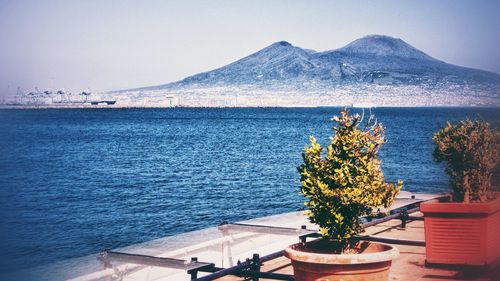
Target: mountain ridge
point(371, 59)
point(375, 69)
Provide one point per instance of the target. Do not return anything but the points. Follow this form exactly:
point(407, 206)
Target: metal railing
point(250, 268)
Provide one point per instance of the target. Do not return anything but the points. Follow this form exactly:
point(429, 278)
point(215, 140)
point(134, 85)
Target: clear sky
point(109, 45)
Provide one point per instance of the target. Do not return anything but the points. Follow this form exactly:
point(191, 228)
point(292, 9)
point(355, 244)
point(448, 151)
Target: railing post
point(255, 267)
point(303, 237)
point(194, 273)
point(404, 217)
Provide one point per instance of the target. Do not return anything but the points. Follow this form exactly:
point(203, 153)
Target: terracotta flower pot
point(315, 261)
point(462, 234)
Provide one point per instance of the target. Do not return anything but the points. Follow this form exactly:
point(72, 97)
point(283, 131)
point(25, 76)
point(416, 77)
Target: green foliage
point(471, 150)
point(347, 182)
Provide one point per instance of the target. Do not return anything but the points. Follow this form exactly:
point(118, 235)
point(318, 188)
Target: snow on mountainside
point(368, 64)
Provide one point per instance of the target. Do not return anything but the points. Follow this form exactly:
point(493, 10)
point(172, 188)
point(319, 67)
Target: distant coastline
point(41, 107)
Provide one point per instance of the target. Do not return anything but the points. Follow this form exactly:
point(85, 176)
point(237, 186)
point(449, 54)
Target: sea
point(76, 181)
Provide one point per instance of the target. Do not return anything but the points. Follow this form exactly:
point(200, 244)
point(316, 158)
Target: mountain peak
point(277, 47)
point(380, 37)
point(383, 45)
point(377, 40)
point(283, 43)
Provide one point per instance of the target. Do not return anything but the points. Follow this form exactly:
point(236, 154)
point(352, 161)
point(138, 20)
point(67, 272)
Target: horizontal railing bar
point(264, 229)
point(381, 220)
point(391, 240)
point(266, 275)
point(396, 215)
point(154, 261)
point(415, 218)
point(415, 206)
point(221, 273)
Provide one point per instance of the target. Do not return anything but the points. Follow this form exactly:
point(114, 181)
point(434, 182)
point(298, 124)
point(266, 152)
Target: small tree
point(471, 150)
point(348, 182)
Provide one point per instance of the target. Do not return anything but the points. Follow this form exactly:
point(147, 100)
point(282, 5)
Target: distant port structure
point(55, 98)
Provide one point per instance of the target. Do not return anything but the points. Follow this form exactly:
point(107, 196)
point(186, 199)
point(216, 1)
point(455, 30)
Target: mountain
point(371, 62)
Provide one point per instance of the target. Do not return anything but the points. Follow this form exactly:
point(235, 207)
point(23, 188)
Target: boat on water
point(108, 102)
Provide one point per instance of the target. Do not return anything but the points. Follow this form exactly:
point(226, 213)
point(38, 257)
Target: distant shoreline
point(27, 107)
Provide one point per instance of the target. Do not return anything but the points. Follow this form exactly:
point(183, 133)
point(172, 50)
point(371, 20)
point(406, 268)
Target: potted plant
point(465, 229)
point(340, 187)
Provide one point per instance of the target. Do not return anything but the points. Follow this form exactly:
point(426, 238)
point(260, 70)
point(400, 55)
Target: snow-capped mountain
point(372, 63)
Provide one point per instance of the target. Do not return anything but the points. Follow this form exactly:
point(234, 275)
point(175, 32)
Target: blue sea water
point(76, 181)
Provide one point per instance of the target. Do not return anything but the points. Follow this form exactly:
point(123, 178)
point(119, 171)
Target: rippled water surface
point(76, 181)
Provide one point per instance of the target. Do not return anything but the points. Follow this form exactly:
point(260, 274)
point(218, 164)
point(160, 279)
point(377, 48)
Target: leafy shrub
point(347, 182)
point(471, 150)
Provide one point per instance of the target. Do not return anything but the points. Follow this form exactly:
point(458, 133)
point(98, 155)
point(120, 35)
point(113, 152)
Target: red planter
point(313, 261)
point(462, 234)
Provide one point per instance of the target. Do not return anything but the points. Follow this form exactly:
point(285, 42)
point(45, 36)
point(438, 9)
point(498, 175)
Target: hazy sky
point(106, 45)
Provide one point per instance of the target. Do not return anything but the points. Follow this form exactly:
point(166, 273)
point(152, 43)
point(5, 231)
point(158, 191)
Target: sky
point(111, 45)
